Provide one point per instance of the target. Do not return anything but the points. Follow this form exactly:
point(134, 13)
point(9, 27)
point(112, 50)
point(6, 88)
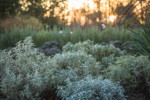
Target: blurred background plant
point(9, 38)
point(12, 22)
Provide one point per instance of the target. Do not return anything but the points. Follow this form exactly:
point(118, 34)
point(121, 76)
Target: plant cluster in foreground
point(82, 71)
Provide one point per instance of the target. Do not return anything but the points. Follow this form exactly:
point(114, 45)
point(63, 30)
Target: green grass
point(9, 39)
point(74, 35)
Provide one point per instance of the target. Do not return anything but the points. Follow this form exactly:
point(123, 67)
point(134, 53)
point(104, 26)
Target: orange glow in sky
point(112, 18)
point(76, 15)
point(77, 4)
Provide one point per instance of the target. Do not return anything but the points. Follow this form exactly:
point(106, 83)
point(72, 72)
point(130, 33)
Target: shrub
point(82, 63)
point(26, 75)
point(96, 50)
point(91, 89)
point(131, 71)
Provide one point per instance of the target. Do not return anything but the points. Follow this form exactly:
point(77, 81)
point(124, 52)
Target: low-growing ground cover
point(83, 70)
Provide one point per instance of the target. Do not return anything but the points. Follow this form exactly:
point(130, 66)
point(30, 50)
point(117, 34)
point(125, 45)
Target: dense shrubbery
point(26, 73)
point(82, 71)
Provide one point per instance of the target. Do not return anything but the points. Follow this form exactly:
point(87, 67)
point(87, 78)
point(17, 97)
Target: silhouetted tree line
point(35, 8)
point(13, 7)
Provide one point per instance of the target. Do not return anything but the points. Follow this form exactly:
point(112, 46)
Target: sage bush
point(131, 71)
point(98, 51)
point(26, 73)
point(89, 88)
point(82, 63)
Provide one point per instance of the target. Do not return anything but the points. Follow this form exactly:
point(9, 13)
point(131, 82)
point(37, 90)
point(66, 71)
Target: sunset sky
point(78, 10)
point(77, 4)
point(105, 5)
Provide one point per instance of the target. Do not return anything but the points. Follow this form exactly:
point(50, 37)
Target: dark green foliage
point(8, 7)
point(37, 10)
point(141, 38)
point(9, 39)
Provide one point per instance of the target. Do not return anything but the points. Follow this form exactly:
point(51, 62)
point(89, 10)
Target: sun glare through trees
point(83, 12)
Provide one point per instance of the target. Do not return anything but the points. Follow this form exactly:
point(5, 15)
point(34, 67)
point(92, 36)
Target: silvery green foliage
point(91, 89)
point(3, 59)
point(74, 65)
point(129, 69)
point(106, 61)
point(96, 50)
point(26, 75)
point(84, 46)
point(82, 63)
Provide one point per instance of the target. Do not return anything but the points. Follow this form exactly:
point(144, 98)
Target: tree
point(98, 3)
point(128, 15)
point(9, 7)
point(34, 8)
point(125, 13)
point(38, 8)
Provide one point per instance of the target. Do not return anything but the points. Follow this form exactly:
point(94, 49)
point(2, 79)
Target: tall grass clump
point(138, 24)
point(141, 38)
point(9, 39)
point(64, 36)
point(115, 33)
point(95, 34)
point(78, 34)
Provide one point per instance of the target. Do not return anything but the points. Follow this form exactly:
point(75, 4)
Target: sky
point(77, 4)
